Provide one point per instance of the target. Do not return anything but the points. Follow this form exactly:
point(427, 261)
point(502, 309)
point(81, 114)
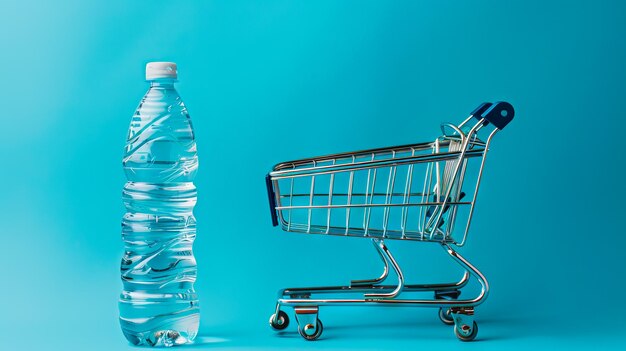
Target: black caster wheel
point(446, 316)
point(466, 333)
point(311, 333)
point(279, 323)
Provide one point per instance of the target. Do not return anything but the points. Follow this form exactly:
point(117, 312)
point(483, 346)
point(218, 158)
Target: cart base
point(452, 310)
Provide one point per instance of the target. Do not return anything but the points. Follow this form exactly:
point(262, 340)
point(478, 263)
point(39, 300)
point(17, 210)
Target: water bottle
point(158, 305)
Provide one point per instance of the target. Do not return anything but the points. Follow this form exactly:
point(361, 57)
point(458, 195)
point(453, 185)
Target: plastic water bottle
point(158, 306)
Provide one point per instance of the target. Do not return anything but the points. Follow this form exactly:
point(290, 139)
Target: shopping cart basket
point(409, 192)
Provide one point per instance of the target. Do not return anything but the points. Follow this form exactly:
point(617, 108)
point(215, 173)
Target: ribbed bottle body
point(158, 304)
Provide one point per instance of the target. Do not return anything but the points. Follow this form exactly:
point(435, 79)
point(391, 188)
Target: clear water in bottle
point(158, 304)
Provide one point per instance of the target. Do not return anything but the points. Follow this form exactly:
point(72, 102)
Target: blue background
point(267, 81)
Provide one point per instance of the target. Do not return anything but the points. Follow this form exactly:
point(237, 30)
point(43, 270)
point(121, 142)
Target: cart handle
point(272, 199)
point(499, 113)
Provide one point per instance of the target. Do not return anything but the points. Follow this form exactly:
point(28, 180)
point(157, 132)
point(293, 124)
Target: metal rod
point(307, 172)
point(480, 174)
point(381, 278)
point(358, 288)
point(350, 185)
point(451, 203)
point(396, 268)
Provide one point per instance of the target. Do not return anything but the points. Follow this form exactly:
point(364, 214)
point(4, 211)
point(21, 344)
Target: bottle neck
point(162, 82)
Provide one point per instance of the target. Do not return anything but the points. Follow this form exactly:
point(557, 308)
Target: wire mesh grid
point(394, 193)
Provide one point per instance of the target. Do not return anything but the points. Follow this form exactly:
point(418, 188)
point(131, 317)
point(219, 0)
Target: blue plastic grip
point(478, 111)
point(272, 199)
point(499, 113)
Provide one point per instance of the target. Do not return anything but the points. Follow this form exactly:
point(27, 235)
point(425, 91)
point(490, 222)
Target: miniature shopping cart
point(409, 192)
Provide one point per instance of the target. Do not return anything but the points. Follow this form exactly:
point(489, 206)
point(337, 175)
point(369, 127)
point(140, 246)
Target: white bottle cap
point(155, 70)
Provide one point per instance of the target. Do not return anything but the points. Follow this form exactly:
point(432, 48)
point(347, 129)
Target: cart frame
point(445, 160)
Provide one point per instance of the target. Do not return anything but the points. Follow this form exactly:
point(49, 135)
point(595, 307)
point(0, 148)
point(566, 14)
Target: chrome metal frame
point(427, 216)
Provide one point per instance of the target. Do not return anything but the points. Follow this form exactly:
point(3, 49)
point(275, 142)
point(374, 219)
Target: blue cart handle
point(272, 199)
point(499, 113)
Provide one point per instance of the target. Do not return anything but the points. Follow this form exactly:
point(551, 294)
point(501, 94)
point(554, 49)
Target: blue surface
point(267, 81)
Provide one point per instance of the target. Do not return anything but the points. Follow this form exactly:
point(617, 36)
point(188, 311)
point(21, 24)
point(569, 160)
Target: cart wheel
point(281, 322)
point(311, 333)
point(446, 316)
point(466, 333)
